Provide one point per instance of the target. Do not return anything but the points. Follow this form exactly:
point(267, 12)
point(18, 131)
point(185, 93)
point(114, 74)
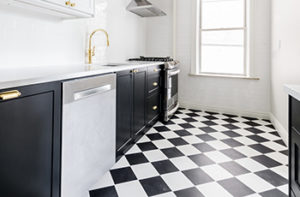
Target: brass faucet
point(92, 51)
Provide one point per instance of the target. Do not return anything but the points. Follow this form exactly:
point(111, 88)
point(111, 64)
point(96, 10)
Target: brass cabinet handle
point(68, 3)
point(73, 4)
point(135, 71)
point(154, 108)
point(156, 70)
point(10, 95)
point(155, 84)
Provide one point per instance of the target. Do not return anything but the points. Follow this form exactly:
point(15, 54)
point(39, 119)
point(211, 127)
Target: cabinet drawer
point(154, 83)
point(155, 69)
point(153, 107)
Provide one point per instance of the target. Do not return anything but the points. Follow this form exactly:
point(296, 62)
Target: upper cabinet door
point(58, 2)
point(86, 6)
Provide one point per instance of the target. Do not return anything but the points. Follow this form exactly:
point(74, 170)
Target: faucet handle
point(93, 51)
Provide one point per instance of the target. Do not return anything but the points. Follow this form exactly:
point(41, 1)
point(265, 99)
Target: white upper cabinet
point(61, 8)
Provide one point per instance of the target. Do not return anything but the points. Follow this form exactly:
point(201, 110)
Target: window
point(223, 37)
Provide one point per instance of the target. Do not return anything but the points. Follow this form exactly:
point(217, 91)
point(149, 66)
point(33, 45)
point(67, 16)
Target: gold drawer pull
point(10, 95)
point(73, 4)
point(155, 84)
point(68, 3)
point(135, 71)
point(156, 70)
point(154, 108)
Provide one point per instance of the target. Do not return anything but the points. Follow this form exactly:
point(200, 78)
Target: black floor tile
point(189, 119)
point(104, 192)
point(197, 176)
point(182, 133)
point(192, 114)
point(249, 118)
point(233, 154)
point(234, 168)
point(232, 142)
point(209, 123)
point(273, 193)
point(252, 124)
point(155, 136)
point(206, 137)
point(190, 192)
point(261, 148)
point(208, 129)
point(231, 134)
point(236, 187)
point(137, 158)
point(154, 186)
point(122, 175)
point(257, 138)
point(204, 147)
point(230, 120)
point(254, 130)
point(186, 126)
point(172, 152)
point(161, 128)
point(146, 146)
point(178, 141)
point(164, 167)
point(272, 177)
point(266, 161)
point(201, 160)
point(230, 126)
point(210, 117)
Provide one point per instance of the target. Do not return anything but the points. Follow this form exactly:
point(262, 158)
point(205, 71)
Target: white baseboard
point(280, 129)
point(225, 110)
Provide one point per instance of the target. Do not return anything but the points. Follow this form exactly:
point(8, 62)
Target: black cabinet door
point(139, 99)
point(295, 162)
point(124, 108)
point(30, 142)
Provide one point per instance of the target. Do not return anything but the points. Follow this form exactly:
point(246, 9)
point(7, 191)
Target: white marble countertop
point(293, 90)
point(15, 77)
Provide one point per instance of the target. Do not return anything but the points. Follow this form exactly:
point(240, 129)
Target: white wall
point(159, 31)
point(285, 57)
point(241, 96)
point(31, 39)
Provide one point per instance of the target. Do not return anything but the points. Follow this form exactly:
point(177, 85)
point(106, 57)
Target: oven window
point(174, 81)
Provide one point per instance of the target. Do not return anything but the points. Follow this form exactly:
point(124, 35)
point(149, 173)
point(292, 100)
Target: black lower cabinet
point(294, 146)
point(30, 142)
point(139, 100)
point(124, 109)
point(136, 111)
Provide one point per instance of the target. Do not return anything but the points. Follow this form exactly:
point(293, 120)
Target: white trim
point(264, 115)
point(225, 76)
point(174, 28)
point(195, 43)
point(280, 129)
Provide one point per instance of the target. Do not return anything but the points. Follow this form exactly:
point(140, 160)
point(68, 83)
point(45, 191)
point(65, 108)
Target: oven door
point(172, 91)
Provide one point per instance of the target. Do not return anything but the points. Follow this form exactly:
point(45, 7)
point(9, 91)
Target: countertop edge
point(293, 90)
point(63, 77)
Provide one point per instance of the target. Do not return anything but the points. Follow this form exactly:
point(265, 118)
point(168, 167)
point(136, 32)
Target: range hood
point(144, 8)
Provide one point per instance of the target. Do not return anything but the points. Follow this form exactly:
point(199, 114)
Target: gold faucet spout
point(92, 51)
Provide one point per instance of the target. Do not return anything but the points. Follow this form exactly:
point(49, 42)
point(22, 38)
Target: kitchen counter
point(293, 90)
point(15, 77)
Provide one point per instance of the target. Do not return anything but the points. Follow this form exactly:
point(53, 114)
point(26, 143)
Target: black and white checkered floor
point(202, 154)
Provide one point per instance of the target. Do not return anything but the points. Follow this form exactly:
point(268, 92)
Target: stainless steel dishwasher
point(88, 133)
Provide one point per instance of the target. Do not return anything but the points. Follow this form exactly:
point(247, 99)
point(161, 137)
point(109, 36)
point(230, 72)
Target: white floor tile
point(218, 145)
point(183, 163)
point(191, 139)
point(161, 144)
point(216, 172)
point(255, 183)
point(172, 180)
point(121, 163)
point(250, 152)
point(251, 165)
point(129, 189)
point(213, 190)
point(155, 155)
point(169, 135)
point(144, 171)
point(188, 150)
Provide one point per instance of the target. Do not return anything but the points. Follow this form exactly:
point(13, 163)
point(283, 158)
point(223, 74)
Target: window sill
point(224, 76)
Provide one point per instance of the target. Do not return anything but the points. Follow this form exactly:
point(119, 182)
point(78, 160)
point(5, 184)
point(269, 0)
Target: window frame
point(246, 30)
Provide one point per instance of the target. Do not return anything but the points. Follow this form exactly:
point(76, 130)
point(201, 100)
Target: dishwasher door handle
point(91, 92)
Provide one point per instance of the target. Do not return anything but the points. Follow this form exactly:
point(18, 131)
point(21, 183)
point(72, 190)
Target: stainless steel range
point(170, 93)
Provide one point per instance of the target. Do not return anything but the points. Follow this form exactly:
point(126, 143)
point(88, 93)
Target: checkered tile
point(200, 153)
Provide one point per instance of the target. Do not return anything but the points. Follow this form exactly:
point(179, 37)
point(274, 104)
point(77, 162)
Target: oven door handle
point(172, 73)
